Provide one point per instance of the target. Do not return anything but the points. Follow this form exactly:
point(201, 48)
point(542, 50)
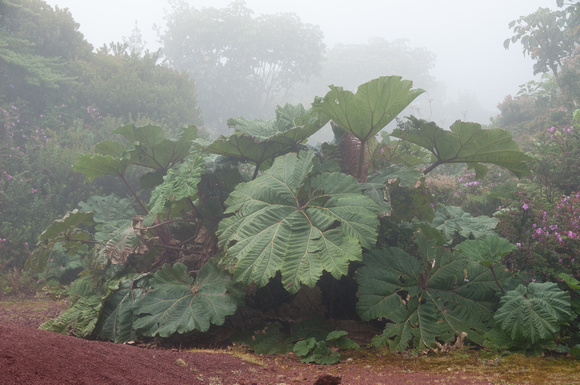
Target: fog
point(472, 69)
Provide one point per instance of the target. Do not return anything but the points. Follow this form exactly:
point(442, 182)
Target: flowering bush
point(516, 111)
point(37, 184)
point(557, 161)
point(476, 196)
point(547, 235)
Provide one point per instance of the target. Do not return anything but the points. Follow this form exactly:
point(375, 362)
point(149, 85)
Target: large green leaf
point(287, 117)
point(126, 241)
point(467, 143)
point(108, 208)
point(178, 184)
point(301, 125)
point(80, 319)
point(117, 318)
point(440, 300)
point(67, 228)
point(259, 141)
point(65, 231)
point(96, 165)
point(110, 213)
point(299, 225)
point(110, 147)
point(407, 176)
point(178, 304)
point(245, 147)
point(533, 313)
point(375, 104)
point(290, 117)
point(149, 147)
point(486, 251)
point(398, 151)
point(451, 220)
point(572, 282)
point(376, 185)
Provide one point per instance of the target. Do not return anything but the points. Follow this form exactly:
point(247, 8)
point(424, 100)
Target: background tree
point(35, 43)
point(353, 64)
point(548, 36)
point(241, 64)
point(124, 83)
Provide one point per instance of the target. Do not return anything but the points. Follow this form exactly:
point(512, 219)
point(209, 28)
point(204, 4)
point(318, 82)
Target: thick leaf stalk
point(375, 104)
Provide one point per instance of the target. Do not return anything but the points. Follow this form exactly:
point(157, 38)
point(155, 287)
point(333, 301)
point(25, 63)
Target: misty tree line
point(246, 65)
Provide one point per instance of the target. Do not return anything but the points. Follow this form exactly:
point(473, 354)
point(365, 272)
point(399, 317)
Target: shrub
point(557, 161)
point(548, 236)
point(444, 189)
point(477, 196)
point(36, 181)
point(15, 282)
point(516, 111)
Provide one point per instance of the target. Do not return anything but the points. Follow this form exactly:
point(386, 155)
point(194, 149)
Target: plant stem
point(256, 170)
point(134, 194)
point(361, 161)
point(430, 168)
point(496, 281)
point(177, 248)
point(194, 208)
point(83, 241)
point(159, 224)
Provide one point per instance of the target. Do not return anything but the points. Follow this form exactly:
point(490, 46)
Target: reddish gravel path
point(32, 356)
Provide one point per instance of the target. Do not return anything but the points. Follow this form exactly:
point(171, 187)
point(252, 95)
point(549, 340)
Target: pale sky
point(466, 36)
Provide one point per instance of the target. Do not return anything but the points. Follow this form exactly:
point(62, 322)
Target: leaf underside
point(299, 225)
point(533, 313)
point(423, 305)
point(178, 304)
point(468, 143)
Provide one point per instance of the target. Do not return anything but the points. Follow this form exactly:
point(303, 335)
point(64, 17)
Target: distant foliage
point(557, 160)
point(133, 86)
point(548, 36)
point(242, 65)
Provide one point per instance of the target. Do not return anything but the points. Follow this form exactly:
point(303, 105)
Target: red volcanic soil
point(32, 356)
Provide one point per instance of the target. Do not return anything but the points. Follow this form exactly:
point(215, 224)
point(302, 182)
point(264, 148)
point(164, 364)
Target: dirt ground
point(32, 356)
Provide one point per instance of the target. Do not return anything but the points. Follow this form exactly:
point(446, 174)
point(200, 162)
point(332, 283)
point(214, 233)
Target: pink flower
point(525, 206)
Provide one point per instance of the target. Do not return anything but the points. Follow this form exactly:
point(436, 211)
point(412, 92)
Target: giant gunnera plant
point(212, 224)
